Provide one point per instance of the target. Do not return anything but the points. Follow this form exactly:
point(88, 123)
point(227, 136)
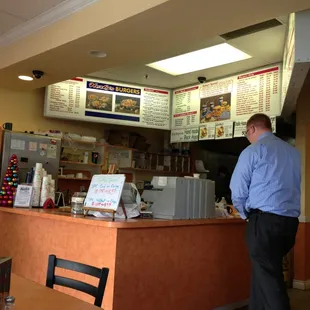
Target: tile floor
point(300, 300)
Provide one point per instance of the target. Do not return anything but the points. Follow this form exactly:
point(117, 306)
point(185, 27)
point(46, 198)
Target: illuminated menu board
point(103, 102)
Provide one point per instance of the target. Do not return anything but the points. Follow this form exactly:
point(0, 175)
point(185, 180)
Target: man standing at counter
point(266, 191)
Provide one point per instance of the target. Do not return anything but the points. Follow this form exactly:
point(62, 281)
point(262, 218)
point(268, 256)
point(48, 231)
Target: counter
point(154, 264)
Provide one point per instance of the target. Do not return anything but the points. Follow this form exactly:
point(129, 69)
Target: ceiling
point(14, 13)
point(140, 32)
point(266, 47)
point(17, 17)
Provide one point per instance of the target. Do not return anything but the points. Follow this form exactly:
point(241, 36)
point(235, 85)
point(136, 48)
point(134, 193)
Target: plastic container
point(77, 203)
point(222, 204)
point(85, 158)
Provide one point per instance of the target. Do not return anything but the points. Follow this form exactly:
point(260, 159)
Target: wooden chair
point(101, 274)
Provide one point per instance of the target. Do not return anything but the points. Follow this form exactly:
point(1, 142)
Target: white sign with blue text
point(105, 191)
point(93, 100)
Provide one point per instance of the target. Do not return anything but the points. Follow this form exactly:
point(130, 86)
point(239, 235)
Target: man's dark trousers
point(269, 238)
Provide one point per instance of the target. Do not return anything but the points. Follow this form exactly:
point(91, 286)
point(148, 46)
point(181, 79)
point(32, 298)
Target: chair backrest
point(101, 274)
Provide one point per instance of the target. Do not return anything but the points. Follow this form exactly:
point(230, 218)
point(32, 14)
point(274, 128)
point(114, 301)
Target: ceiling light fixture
point(210, 57)
point(25, 77)
point(97, 54)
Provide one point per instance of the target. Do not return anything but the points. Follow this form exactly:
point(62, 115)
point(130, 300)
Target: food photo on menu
point(203, 132)
point(128, 105)
point(219, 131)
point(99, 101)
point(215, 108)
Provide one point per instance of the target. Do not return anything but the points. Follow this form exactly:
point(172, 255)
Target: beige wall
point(25, 111)
point(302, 134)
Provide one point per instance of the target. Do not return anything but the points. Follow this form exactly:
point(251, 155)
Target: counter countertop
point(118, 223)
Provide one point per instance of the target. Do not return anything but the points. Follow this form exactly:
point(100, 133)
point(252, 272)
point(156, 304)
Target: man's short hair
point(260, 120)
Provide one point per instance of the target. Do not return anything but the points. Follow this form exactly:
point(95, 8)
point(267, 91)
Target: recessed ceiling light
point(97, 54)
point(202, 59)
point(25, 77)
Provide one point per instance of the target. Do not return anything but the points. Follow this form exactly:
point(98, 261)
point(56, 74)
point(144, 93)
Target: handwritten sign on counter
point(105, 191)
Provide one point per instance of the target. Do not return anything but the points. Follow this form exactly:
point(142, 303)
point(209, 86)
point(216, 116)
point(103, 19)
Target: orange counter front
point(154, 264)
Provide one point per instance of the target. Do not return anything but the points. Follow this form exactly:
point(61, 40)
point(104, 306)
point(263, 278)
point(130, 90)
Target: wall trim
point(304, 219)
point(234, 306)
point(301, 285)
point(51, 16)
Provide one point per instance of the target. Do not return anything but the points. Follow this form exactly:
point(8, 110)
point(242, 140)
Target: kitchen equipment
point(181, 198)
point(30, 149)
point(7, 126)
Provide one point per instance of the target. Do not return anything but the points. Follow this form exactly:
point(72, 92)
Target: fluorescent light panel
point(210, 57)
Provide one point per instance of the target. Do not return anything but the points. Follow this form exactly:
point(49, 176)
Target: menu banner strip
point(113, 116)
point(150, 90)
point(258, 73)
point(185, 114)
point(186, 90)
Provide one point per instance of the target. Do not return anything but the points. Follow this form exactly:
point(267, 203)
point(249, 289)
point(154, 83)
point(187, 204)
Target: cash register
point(181, 198)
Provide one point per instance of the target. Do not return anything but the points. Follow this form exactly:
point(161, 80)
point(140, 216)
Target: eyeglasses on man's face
point(246, 133)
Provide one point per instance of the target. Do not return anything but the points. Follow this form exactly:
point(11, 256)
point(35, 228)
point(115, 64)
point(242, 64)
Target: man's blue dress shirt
point(267, 177)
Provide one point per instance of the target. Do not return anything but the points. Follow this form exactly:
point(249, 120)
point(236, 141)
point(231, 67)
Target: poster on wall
point(184, 135)
point(215, 102)
point(107, 102)
point(240, 127)
point(224, 130)
point(234, 98)
point(207, 131)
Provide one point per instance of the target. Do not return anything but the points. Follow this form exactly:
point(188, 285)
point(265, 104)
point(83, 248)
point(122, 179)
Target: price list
point(65, 97)
point(155, 111)
point(258, 92)
point(186, 107)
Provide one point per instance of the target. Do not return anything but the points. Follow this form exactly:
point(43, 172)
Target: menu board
point(234, 98)
point(207, 131)
point(258, 92)
point(105, 191)
point(224, 130)
point(184, 135)
point(288, 57)
point(240, 127)
point(104, 102)
point(185, 109)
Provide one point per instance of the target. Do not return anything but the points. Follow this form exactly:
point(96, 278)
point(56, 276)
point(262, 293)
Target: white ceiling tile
point(266, 47)
point(8, 22)
point(28, 9)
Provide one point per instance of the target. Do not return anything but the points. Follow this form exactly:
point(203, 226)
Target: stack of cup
point(36, 184)
point(45, 190)
point(52, 190)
